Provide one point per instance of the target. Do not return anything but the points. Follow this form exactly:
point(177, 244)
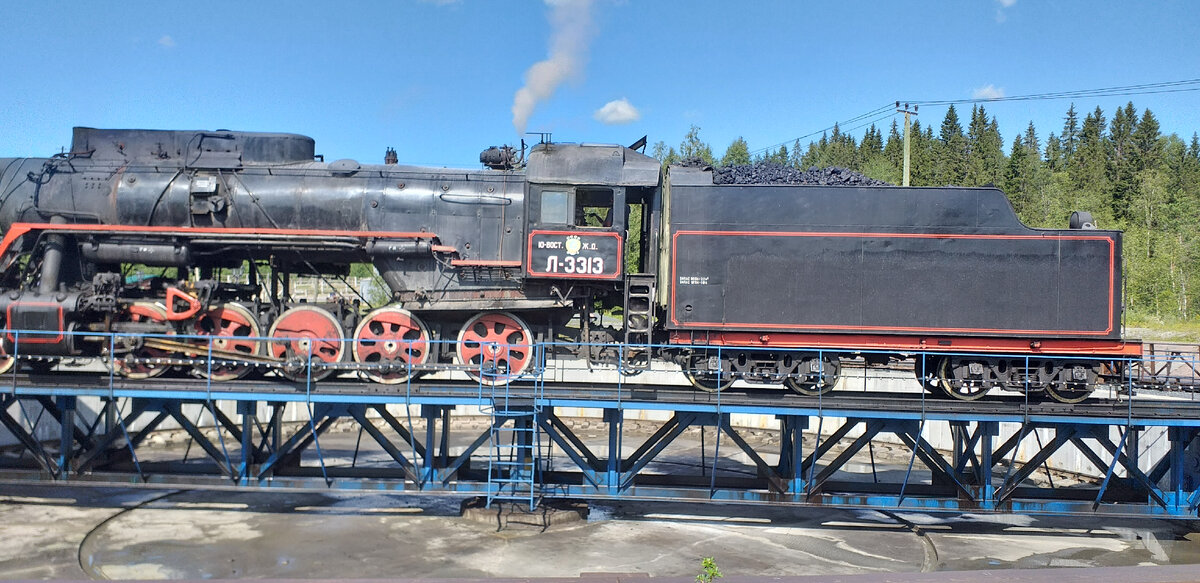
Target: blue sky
point(436, 79)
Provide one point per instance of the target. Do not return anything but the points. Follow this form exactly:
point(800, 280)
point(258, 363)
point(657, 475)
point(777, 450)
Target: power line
point(1181, 86)
point(873, 112)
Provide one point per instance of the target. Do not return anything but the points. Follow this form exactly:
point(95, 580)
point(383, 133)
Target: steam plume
point(571, 25)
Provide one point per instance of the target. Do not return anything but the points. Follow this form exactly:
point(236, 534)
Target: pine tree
point(810, 157)
point(1120, 167)
point(923, 152)
point(843, 150)
point(1087, 167)
point(1054, 153)
point(871, 158)
point(950, 155)
point(894, 149)
point(1030, 140)
point(1147, 144)
point(1015, 179)
point(985, 155)
point(872, 142)
point(737, 153)
point(1070, 133)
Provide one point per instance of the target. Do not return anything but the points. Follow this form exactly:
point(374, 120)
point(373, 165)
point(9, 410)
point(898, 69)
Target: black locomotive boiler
point(771, 284)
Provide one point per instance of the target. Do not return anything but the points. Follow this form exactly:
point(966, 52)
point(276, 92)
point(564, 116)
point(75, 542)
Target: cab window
point(593, 207)
point(556, 207)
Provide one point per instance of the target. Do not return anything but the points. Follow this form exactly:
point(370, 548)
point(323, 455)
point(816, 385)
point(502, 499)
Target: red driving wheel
point(495, 346)
point(390, 340)
point(303, 332)
point(237, 332)
point(138, 360)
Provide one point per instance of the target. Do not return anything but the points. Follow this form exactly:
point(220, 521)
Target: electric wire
point(1181, 86)
point(872, 113)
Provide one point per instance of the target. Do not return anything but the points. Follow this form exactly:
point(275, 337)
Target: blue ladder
point(514, 470)
point(515, 464)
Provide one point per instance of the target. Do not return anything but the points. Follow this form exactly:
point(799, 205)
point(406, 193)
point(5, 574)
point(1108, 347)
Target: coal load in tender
point(767, 173)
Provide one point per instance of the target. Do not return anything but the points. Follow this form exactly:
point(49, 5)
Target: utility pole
point(907, 125)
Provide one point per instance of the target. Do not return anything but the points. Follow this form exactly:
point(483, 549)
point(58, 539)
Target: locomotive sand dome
point(768, 284)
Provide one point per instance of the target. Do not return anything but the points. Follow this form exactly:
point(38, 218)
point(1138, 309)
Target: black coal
point(769, 173)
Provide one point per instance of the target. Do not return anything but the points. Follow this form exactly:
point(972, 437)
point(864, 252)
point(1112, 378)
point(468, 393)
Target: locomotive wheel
point(956, 382)
point(393, 339)
point(236, 330)
point(302, 332)
point(811, 382)
point(1072, 390)
point(140, 368)
point(496, 346)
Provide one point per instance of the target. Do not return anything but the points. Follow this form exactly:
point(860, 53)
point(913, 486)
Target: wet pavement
point(80, 532)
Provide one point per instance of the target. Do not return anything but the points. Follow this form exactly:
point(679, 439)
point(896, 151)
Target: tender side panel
point(895, 282)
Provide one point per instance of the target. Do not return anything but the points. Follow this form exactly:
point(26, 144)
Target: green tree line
point(1122, 168)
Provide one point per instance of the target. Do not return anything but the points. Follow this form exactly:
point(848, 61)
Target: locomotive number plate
point(572, 254)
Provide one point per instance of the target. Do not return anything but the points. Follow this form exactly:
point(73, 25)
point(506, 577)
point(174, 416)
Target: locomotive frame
point(767, 284)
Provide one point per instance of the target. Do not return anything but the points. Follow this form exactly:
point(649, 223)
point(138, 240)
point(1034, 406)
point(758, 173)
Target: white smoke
point(571, 30)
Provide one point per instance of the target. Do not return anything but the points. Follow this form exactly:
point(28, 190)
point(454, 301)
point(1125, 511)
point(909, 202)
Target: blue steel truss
point(75, 427)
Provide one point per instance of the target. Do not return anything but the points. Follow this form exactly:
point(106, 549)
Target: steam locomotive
point(770, 284)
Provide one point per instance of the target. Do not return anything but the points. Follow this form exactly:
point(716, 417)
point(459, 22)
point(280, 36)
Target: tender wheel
point(390, 340)
point(136, 362)
point(700, 371)
point(237, 332)
point(928, 373)
point(303, 331)
point(959, 382)
point(496, 347)
point(708, 382)
point(815, 376)
point(1075, 382)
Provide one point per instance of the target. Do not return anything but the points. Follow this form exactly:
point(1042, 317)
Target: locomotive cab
point(581, 198)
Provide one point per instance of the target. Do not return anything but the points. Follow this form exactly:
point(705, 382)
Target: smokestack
point(571, 31)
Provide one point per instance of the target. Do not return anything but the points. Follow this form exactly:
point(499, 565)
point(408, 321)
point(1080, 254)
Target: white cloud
point(1001, 16)
point(988, 91)
point(166, 41)
point(616, 112)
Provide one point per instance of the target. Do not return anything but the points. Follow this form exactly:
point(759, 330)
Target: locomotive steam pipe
point(52, 260)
